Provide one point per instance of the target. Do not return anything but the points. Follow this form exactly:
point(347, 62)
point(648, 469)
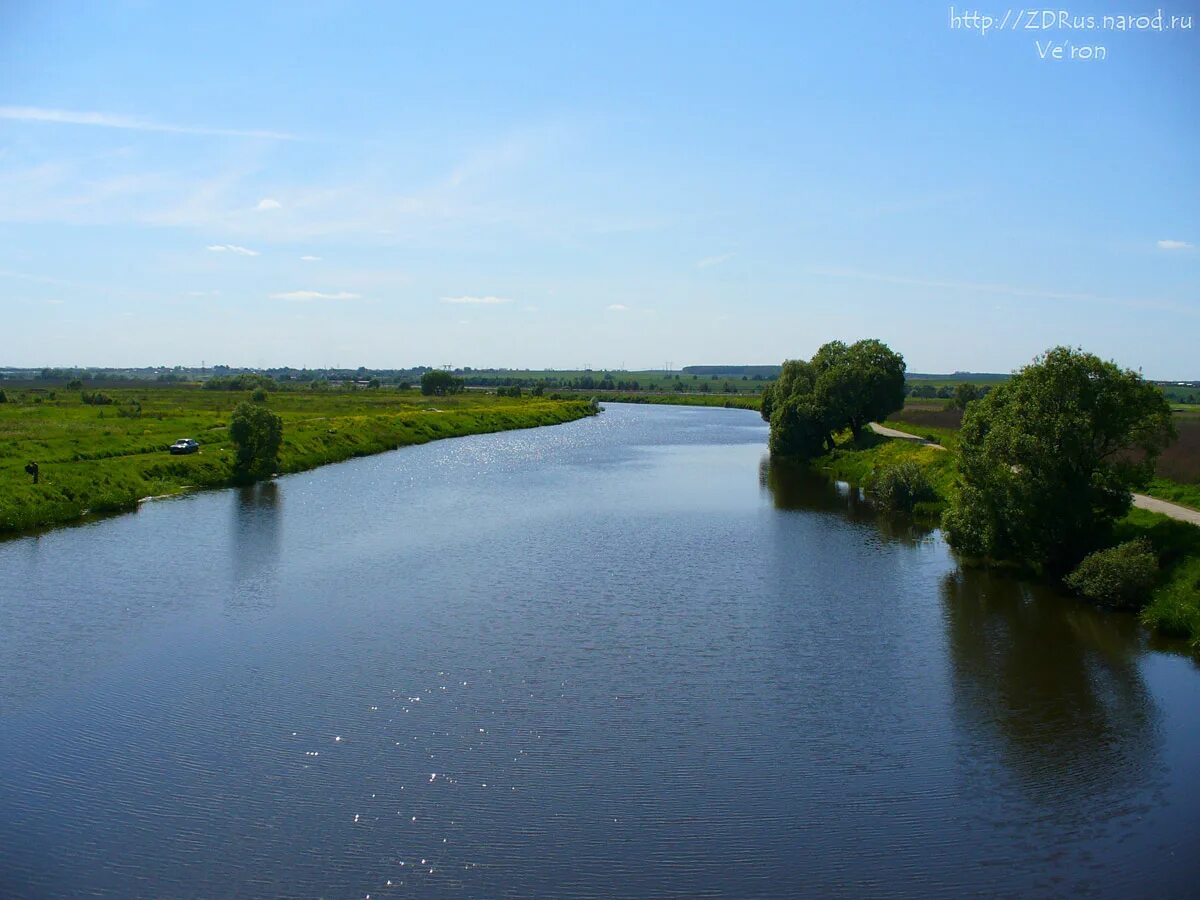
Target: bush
point(902, 486)
point(3, 397)
point(259, 396)
point(438, 382)
point(96, 399)
point(1122, 576)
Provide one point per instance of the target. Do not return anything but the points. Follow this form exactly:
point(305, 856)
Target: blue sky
point(532, 185)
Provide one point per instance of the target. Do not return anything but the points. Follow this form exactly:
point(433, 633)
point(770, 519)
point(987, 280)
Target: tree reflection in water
point(1053, 688)
point(256, 539)
point(795, 486)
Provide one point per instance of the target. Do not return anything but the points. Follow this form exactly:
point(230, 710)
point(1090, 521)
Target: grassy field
point(102, 458)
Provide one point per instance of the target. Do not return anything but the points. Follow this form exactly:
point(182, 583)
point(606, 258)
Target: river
point(622, 656)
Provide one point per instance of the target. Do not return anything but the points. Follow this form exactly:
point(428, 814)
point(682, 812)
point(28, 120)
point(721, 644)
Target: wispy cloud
point(314, 295)
point(1175, 245)
point(267, 204)
point(232, 248)
point(481, 301)
point(1003, 289)
point(308, 258)
point(131, 123)
point(617, 307)
point(709, 261)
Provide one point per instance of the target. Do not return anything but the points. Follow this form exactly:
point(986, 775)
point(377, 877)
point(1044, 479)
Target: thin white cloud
point(268, 203)
point(314, 295)
point(617, 307)
point(232, 248)
point(481, 301)
point(307, 258)
point(1175, 245)
point(131, 123)
point(1004, 289)
point(709, 261)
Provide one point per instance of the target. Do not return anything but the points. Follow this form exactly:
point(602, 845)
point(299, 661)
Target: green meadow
point(102, 451)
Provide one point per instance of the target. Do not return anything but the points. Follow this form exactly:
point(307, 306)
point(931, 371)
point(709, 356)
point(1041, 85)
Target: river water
point(619, 657)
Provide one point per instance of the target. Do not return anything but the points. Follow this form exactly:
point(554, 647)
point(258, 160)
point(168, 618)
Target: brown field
point(1180, 462)
point(930, 414)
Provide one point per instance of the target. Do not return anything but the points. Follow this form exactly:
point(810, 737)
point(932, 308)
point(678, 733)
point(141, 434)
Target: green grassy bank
point(861, 461)
point(104, 458)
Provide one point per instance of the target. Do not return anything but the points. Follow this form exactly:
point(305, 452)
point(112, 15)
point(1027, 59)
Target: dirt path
point(903, 436)
point(1174, 510)
point(1141, 501)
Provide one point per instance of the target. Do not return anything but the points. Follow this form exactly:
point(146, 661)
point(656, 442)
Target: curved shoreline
point(305, 448)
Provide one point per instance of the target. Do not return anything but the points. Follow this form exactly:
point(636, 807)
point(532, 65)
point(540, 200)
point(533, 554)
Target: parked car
point(184, 445)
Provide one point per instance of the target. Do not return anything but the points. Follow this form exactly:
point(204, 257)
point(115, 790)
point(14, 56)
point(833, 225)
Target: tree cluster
point(438, 382)
point(841, 387)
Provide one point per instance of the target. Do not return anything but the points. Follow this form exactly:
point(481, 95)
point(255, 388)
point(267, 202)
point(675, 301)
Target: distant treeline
point(622, 381)
point(738, 371)
point(690, 379)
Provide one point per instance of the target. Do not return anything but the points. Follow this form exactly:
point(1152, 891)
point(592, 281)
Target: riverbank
point(727, 401)
point(1174, 606)
point(105, 458)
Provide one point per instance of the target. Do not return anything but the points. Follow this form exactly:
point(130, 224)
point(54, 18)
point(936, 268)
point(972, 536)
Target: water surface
point(621, 656)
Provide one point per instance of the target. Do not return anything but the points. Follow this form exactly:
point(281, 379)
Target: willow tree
point(841, 387)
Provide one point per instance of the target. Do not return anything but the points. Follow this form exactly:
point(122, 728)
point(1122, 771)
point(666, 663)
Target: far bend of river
point(619, 657)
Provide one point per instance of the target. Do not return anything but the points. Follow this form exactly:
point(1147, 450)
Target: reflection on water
point(255, 541)
point(1056, 683)
point(796, 486)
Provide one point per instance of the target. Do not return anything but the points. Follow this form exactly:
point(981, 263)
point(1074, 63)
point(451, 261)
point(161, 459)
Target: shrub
point(96, 398)
point(259, 396)
point(902, 486)
point(1121, 576)
point(3, 397)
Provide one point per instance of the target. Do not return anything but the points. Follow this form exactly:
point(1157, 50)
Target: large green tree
point(842, 386)
point(257, 434)
point(1049, 459)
